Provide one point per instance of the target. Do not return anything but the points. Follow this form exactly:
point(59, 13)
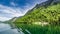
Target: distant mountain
point(11, 20)
point(48, 11)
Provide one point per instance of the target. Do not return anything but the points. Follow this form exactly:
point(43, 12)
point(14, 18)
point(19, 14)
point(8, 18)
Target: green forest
point(43, 19)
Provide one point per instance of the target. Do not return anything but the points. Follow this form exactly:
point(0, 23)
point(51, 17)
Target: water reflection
point(6, 29)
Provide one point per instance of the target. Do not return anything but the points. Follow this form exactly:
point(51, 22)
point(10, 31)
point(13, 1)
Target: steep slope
point(48, 12)
point(43, 13)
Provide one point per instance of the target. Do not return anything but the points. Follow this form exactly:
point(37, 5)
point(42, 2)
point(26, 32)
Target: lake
point(6, 29)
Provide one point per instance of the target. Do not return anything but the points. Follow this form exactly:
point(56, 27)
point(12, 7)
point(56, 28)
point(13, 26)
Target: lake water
point(6, 29)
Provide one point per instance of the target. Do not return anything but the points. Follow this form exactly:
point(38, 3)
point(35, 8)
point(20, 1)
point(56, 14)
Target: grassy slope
point(51, 14)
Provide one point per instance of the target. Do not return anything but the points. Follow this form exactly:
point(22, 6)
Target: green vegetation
point(37, 29)
point(49, 14)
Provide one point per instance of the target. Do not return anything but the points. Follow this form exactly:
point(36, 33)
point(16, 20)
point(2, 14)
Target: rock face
point(56, 0)
point(46, 3)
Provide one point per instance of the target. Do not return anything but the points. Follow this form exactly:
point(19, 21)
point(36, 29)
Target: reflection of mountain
point(1, 21)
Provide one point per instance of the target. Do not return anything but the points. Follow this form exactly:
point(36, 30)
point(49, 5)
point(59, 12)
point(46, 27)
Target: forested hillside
point(50, 14)
point(44, 18)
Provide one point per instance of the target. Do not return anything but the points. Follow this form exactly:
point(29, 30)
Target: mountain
point(45, 4)
point(48, 11)
point(11, 20)
point(36, 19)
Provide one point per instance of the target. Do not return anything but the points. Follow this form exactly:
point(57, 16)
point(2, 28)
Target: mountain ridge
point(38, 14)
point(35, 13)
point(47, 3)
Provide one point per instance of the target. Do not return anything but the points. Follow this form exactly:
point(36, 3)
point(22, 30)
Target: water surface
point(6, 29)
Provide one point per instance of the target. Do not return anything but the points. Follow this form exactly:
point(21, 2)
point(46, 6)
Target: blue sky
point(16, 8)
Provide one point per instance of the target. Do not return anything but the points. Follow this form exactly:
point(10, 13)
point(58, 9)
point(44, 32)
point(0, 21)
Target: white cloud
point(13, 4)
point(4, 18)
point(15, 12)
point(40, 1)
point(10, 10)
point(28, 7)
